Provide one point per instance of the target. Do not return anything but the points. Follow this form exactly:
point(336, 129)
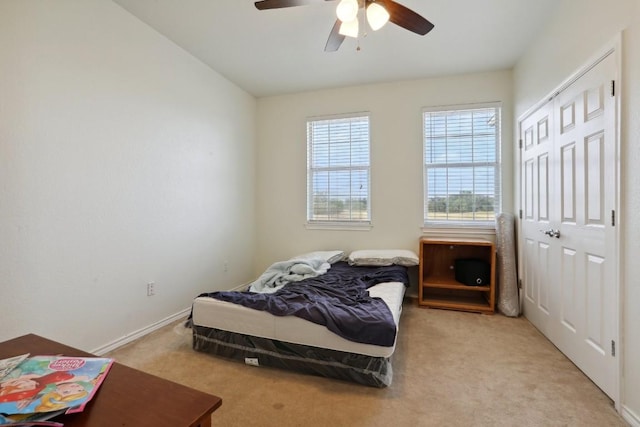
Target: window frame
point(472, 224)
point(337, 224)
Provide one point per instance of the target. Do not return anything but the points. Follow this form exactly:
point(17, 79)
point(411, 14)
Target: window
point(461, 165)
point(338, 170)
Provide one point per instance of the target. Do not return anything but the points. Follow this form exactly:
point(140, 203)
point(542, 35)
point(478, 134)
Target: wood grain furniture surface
point(127, 397)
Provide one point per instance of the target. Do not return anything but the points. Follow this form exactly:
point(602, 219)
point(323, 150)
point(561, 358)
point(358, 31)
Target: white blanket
point(284, 272)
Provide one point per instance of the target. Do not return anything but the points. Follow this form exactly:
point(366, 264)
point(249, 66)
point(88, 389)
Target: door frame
point(614, 47)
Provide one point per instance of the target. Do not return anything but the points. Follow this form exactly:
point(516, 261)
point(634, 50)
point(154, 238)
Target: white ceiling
point(279, 51)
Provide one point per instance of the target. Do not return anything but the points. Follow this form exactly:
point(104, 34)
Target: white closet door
point(539, 252)
point(569, 188)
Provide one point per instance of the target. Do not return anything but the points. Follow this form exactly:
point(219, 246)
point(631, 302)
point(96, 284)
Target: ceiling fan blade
point(335, 38)
point(406, 18)
point(277, 4)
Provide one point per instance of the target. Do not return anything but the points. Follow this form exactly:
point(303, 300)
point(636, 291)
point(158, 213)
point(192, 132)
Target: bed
point(338, 319)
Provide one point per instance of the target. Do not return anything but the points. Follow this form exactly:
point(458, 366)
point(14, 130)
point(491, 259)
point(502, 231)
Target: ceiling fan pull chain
point(363, 18)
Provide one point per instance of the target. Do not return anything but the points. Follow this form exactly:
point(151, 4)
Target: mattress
point(226, 316)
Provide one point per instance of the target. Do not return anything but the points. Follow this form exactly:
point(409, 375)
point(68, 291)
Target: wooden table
point(127, 397)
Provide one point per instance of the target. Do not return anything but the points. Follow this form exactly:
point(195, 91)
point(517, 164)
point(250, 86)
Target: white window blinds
point(338, 170)
point(461, 165)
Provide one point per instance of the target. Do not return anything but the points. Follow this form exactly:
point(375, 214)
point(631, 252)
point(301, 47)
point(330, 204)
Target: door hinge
point(520, 213)
point(519, 283)
point(520, 144)
point(613, 218)
point(613, 88)
point(613, 348)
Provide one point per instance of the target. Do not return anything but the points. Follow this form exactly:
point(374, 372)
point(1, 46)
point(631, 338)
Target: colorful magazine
point(42, 384)
point(38, 419)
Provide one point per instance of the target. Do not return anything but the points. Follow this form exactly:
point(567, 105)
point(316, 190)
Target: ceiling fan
point(378, 12)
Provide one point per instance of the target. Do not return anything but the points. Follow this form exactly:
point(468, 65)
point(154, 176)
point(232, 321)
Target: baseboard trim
point(140, 333)
point(629, 416)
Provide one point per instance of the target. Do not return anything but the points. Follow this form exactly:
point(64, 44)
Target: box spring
point(358, 368)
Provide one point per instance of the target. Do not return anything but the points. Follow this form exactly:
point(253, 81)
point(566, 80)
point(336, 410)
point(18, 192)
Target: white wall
point(123, 160)
point(578, 30)
point(396, 160)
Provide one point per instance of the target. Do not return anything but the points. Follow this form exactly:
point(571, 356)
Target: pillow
point(329, 256)
point(382, 257)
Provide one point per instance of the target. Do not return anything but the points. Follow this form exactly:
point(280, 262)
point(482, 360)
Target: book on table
point(38, 388)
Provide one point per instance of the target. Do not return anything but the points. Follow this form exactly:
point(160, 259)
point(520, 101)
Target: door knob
point(552, 233)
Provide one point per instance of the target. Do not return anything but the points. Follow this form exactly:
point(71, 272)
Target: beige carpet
point(450, 369)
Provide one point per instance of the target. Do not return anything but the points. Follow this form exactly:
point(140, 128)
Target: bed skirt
point(358, 368)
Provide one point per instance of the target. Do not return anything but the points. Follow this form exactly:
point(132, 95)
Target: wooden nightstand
point(438, 287)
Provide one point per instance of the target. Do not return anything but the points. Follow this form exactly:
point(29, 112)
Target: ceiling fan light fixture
point(349, 28)
point(377, 16)
point(347, 10)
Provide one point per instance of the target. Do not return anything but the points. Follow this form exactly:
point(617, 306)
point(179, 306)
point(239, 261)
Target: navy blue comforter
point(337, 299)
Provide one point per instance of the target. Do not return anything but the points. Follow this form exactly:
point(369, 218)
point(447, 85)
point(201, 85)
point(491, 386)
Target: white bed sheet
point(227, 316)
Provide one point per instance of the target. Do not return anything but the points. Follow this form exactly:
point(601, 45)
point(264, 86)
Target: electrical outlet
point(151, 289)
point(226, 266)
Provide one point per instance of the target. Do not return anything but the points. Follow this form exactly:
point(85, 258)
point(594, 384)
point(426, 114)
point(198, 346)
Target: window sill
point(339, 226)
point(462, 230)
